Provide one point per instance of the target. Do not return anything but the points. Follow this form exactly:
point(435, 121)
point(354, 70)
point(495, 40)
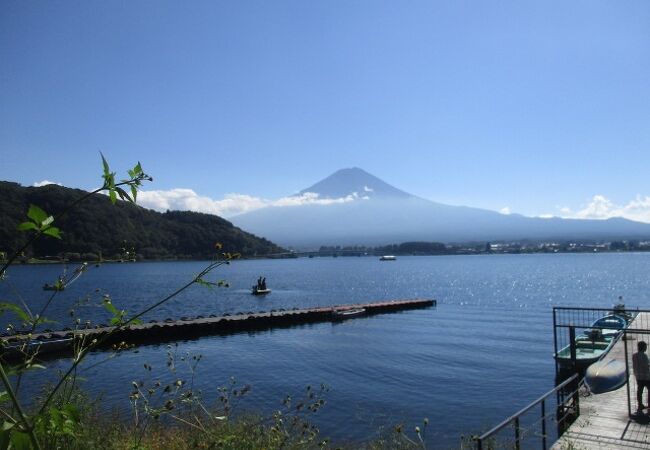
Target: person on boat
point(264, 283)
point(641, 367)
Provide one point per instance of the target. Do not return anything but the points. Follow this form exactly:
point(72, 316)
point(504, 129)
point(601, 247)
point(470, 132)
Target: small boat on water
point(609, 325)
point(605, 376)
point(260, 288)
point(388, 258)
point(588, 351)
point(342, 314)
point(255, 290)
point(594, 343)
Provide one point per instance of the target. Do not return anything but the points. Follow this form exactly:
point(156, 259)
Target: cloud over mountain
point(600, 207)
point(231, 204)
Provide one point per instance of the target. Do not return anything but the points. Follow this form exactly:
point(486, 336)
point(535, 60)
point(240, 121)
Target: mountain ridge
point(383, 219)
point(99, 227)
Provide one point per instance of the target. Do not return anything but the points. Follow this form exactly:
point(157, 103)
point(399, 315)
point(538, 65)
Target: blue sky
point(537, 107)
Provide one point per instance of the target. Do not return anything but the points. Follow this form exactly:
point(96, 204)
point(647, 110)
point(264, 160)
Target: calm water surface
point(481, 354)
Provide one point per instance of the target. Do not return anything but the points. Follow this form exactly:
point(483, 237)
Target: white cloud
point(505, 210)
point(600, 207)
point(231, 204)
point(45, 183)
point(368, 189)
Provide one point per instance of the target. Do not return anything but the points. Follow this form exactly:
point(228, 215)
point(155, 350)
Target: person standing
point(641, 367)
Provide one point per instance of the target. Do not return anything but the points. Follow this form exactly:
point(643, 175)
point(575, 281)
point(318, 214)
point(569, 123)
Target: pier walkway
point(604, 421)
point(59, 343)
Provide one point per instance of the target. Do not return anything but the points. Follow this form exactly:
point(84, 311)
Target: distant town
point(437, 248)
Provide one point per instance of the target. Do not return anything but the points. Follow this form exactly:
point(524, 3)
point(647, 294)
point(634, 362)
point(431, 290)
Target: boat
point(605, 376)
point(609, 325)
point(594, 343)
point(260, 288)
point(387, 258)
point(255, 290)
point(588, 351)
point(342, 314)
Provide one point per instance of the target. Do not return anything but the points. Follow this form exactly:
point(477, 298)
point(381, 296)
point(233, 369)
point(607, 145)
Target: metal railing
point(565, 411)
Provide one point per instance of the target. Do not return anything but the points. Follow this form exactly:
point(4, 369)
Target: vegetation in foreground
point(173, 417)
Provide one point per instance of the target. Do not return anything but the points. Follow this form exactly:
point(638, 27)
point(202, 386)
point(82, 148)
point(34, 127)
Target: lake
point(484, 352)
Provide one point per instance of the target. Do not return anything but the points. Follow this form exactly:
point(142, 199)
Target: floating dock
point(59, 343)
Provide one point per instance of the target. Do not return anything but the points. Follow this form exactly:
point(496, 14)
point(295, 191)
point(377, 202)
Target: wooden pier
point(604, 422)
point(59, 343)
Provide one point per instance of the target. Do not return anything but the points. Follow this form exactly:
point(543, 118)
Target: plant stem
point(23, 418)
point(82, 354)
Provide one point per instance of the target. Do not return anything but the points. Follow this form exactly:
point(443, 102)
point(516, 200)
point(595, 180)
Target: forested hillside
point(96, 227)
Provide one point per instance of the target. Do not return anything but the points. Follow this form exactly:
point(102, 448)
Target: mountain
point(358, 208)
point(345, 182)
point(98, 227)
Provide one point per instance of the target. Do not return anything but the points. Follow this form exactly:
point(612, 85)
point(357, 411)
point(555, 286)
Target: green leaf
point(137, 169)
point(72, 412)
point(107, 171)
point(17, 310)
point(34, 366)
point(27, 226)
point(112, 196)
point(42, 320)
point(111, 308)
point(123, 195)
point(53, 231)
point(134, 192)
point(202, 282)
point(20, 441)
point(5, 435)
point(37, 214)
point(4, 397)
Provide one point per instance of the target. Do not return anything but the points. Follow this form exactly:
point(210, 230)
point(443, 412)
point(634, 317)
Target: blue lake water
point(481, 354)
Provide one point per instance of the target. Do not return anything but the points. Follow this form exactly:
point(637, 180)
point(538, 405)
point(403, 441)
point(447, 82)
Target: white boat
point(605, 376)
point(387, 258)
point(257, 291)
point(341, 314)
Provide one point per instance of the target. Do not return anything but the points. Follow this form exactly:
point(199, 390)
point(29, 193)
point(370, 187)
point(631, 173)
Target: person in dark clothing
point(641, 367)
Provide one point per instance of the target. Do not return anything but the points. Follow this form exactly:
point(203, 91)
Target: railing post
point(555, 341)
point(572, 345)
point(627, 374)
point(517, 444)
point(576, 396)
point(479, 444)
point(544, 424)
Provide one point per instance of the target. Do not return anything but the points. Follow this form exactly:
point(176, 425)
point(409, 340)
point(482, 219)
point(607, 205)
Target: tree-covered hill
point(96, 227)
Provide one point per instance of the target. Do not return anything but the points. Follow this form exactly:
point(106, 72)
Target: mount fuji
point(353, 207)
